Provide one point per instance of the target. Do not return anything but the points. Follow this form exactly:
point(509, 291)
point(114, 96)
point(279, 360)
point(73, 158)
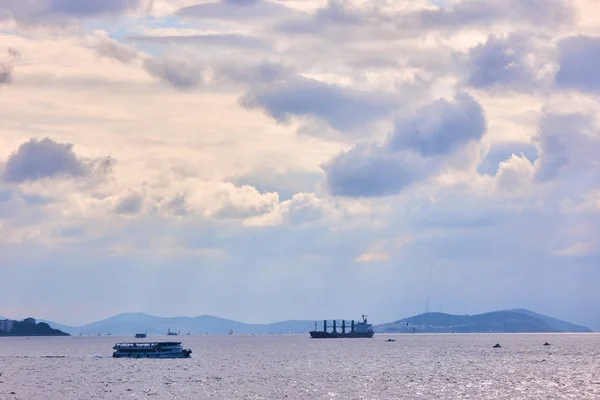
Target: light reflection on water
point(296, 367)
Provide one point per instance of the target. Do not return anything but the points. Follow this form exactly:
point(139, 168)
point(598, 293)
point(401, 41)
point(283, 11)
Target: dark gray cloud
point(369, 170)
point(236, 10)
point(342, 108)
point(177, 72)
point(566, 140)
point(416, 149)
point(217, 40)
point(502, 62)
point(440, 127)
point(579, 57)
point(45, 158)
point(32, 10)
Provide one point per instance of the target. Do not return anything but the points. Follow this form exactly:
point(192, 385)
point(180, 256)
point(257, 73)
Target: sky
point(299, 159)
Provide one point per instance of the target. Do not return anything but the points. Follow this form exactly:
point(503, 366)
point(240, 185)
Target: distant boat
point(230, 332)
point(169, 333)
point(141, 335)
point(188, 334)
point(391, 340)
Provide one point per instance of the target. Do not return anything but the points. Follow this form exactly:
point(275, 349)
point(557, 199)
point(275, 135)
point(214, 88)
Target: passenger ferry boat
point(150, 350)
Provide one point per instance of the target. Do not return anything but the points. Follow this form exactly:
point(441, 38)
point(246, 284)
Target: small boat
point(169, 333)
point(497, 346)
point(141, 335)
point(391, 340)
point(546, 344)
point(150, 350)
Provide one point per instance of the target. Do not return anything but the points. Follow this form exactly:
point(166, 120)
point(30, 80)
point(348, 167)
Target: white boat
point(150, 350)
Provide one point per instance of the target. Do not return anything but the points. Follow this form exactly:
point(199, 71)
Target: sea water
point(297, 367)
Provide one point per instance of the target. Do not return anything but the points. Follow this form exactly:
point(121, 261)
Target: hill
point(131, 323)
point(496, 321)
point(554, 323)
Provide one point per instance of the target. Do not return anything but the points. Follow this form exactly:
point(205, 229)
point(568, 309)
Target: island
point(507, 321)
point(28, 327)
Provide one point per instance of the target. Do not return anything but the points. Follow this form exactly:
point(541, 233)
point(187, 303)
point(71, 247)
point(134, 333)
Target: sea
point(415, 366)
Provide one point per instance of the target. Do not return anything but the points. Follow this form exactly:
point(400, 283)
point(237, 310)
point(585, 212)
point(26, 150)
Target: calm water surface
point(296, 367)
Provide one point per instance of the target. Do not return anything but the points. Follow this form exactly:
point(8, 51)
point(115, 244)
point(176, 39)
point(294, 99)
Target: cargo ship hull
point(331, 335)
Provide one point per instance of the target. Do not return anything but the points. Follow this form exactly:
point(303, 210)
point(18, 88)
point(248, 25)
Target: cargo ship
point(360, 329)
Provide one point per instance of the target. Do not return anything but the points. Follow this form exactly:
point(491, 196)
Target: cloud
point(237, 10)
point(218, 40)
point(500, 152)
point(37, 10)
point(6, 66)
point(566, 141)
point(342, 108)
point(131, 203)
point(179, 73)
point(382, 250)
point(45, 158)
point(441, 127)
point(578, 58)
point(518, 62)
point(412, 152)
point(482, 13)
point(514, 175)
point(108, 47)
point(579, 249)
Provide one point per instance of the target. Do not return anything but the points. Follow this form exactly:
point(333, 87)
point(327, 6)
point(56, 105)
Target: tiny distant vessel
point(546, 344)
point(230, 332)
point(497, 346)
point(141, 335)
point(150, 350)
point(391, 340)
point(189, 333)
point(359, 330)
point(169, 333)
